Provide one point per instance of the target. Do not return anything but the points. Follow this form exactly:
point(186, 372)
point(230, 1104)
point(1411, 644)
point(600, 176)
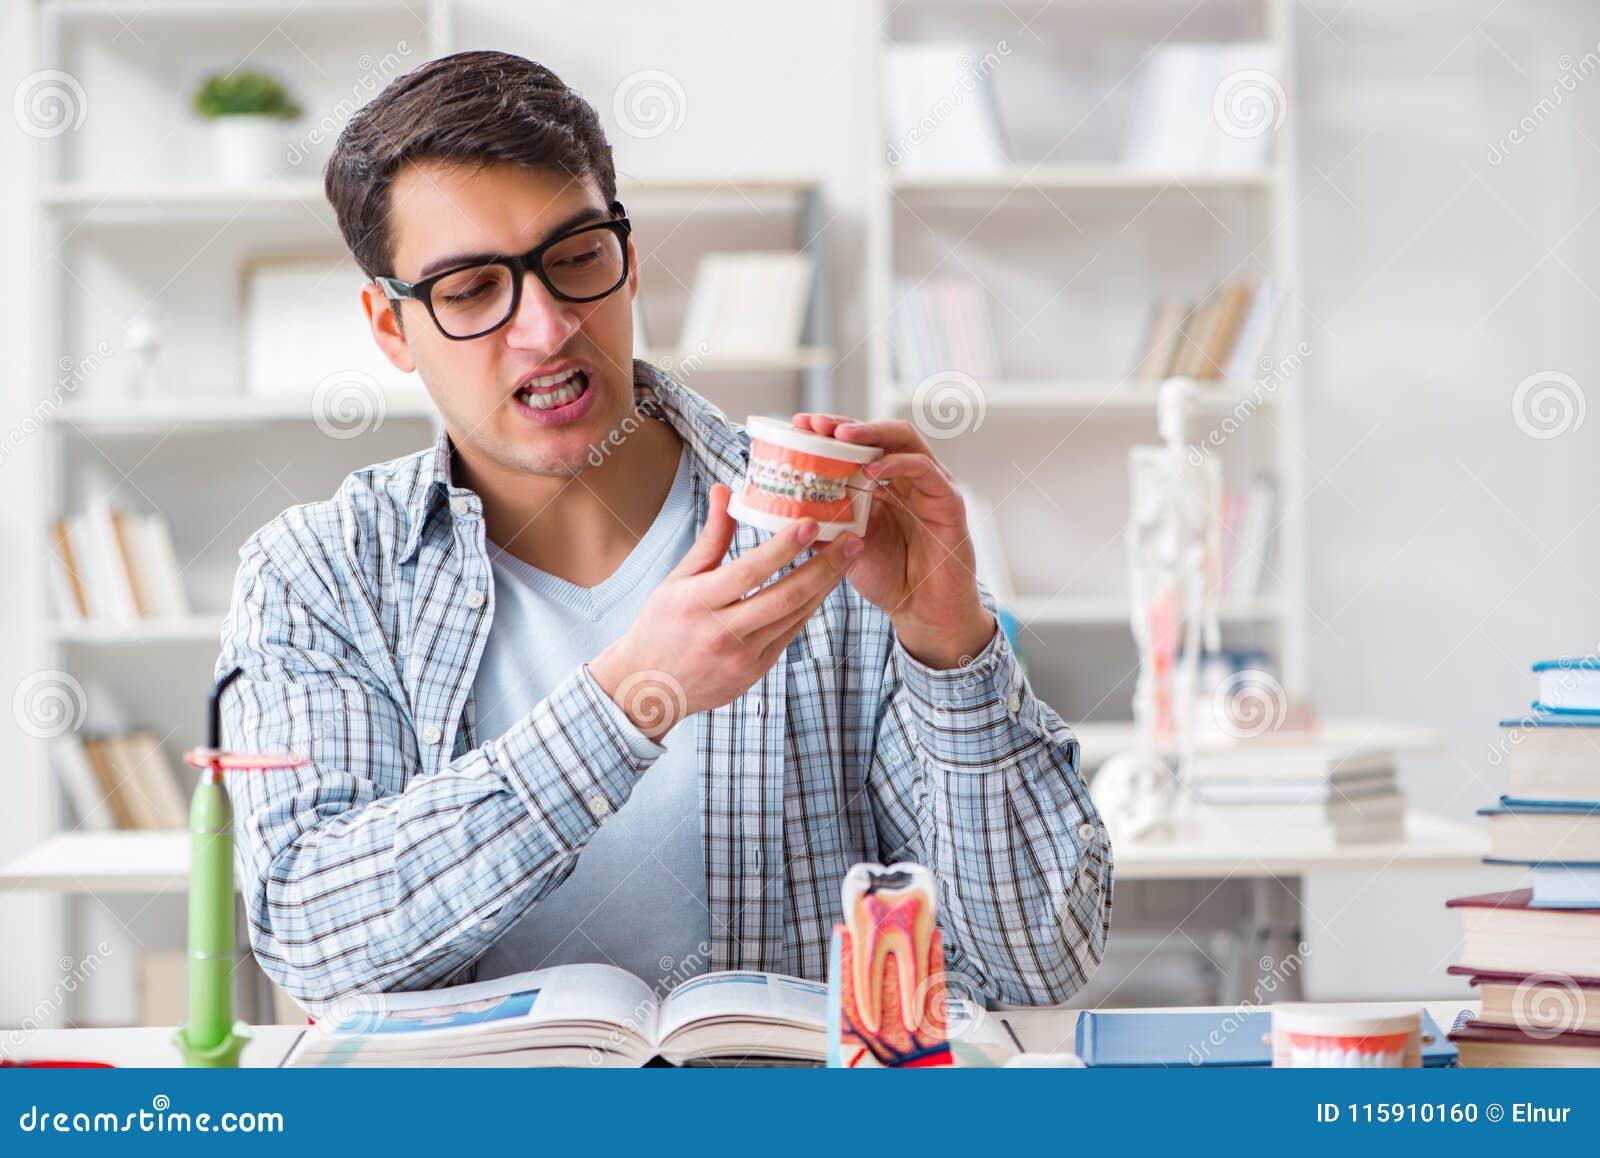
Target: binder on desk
point(1221, 1037)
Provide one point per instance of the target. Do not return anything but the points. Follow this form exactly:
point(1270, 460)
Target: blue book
point(1222, 1037)
point(1544, 831)
point(1569, 685)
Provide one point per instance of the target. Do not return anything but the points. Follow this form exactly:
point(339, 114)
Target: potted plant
point(246, 108)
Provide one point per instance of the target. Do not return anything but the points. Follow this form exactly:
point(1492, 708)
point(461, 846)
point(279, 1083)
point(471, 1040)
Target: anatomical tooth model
point(882, 1015)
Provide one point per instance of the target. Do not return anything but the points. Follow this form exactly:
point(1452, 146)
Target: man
point(558, 706)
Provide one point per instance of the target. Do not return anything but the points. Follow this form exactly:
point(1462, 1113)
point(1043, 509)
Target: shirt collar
point(718, 450)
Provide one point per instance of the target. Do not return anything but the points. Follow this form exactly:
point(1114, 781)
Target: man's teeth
point(889, 911)
point(537, 393)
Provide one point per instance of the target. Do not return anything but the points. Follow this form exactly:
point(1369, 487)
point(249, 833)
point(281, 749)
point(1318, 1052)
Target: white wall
point(1448, 547)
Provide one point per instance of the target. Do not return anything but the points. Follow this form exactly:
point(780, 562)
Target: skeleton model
point(1174, 551)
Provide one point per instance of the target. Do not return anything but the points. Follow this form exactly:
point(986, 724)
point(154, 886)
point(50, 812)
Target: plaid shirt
point(397, 855)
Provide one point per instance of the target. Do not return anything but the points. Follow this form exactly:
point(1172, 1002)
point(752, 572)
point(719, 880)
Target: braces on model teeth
point(780, 478)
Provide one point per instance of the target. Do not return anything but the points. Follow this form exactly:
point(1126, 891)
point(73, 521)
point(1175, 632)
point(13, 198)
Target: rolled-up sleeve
point(359, 872)
point(977, 778)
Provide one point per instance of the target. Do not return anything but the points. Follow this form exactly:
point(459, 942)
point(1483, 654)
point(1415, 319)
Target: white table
point(1040, 1030)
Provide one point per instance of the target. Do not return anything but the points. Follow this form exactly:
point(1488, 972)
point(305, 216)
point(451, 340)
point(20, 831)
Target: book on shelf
point(748, 305)
point(578, 1015)
point(1249, 538)
point(941, 324)
point(1207, 107)
point(1541, 1002)
point(1215, 339)
point(1366, 818)
point(115, 566)
point(942, 114)
point(120, 780)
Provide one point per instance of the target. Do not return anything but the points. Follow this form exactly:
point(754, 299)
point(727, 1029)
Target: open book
point(577, 1015)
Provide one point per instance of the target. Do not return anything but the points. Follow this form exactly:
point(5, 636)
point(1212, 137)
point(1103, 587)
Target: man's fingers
point(797, 594)
point(712, 543)
point(730, 581)
point(923, 473)
point(893, 434)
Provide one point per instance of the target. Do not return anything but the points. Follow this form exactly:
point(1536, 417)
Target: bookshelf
point(122, 217)
point(1103, 238)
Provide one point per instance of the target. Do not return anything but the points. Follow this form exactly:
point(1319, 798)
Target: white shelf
point(1065, 178)
point(166, 414)
point(1072, 610)
point(1098, 742)
point(686, 365)
point(200, 628)
point(1074, 397)
point(103, 862)
point(226, 9)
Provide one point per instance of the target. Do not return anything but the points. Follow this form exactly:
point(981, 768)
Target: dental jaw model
point(886, 980)
point(795, 474)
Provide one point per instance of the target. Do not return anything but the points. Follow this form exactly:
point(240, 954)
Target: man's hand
point(699, 641)
point(918, 563)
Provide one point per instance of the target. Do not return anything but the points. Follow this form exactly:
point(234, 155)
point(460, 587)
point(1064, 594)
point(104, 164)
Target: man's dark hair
point(476, 108)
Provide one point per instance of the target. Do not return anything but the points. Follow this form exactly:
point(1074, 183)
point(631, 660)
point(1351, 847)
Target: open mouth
point(551, 392)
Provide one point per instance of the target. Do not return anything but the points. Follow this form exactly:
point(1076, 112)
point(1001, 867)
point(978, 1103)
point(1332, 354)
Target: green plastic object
point(212, 1038)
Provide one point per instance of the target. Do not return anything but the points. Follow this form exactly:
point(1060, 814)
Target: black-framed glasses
point(581, 265)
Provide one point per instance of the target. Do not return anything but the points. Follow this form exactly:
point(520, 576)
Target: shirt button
point(461, 505)
point(431, 735)
point(1013, 703)
point(488, 924)
point(599, 805)
point(475, 598)
point(1087, 832)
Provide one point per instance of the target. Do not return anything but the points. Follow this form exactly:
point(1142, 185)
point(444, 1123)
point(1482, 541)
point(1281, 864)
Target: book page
point(746, 995)
point(567, 993)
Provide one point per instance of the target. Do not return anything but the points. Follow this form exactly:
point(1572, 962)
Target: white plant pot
point(248, 148)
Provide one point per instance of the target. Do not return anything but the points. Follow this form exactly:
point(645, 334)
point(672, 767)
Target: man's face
point(506, 396)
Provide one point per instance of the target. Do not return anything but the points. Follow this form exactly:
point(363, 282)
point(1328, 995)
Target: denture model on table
point(795, 474)
point(883, 1015)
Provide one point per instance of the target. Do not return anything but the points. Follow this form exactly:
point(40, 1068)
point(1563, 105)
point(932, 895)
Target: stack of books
point(1218, 338)
point(115, 566)
point(120, 781)
point(1310, 794)
point(1534, 952)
